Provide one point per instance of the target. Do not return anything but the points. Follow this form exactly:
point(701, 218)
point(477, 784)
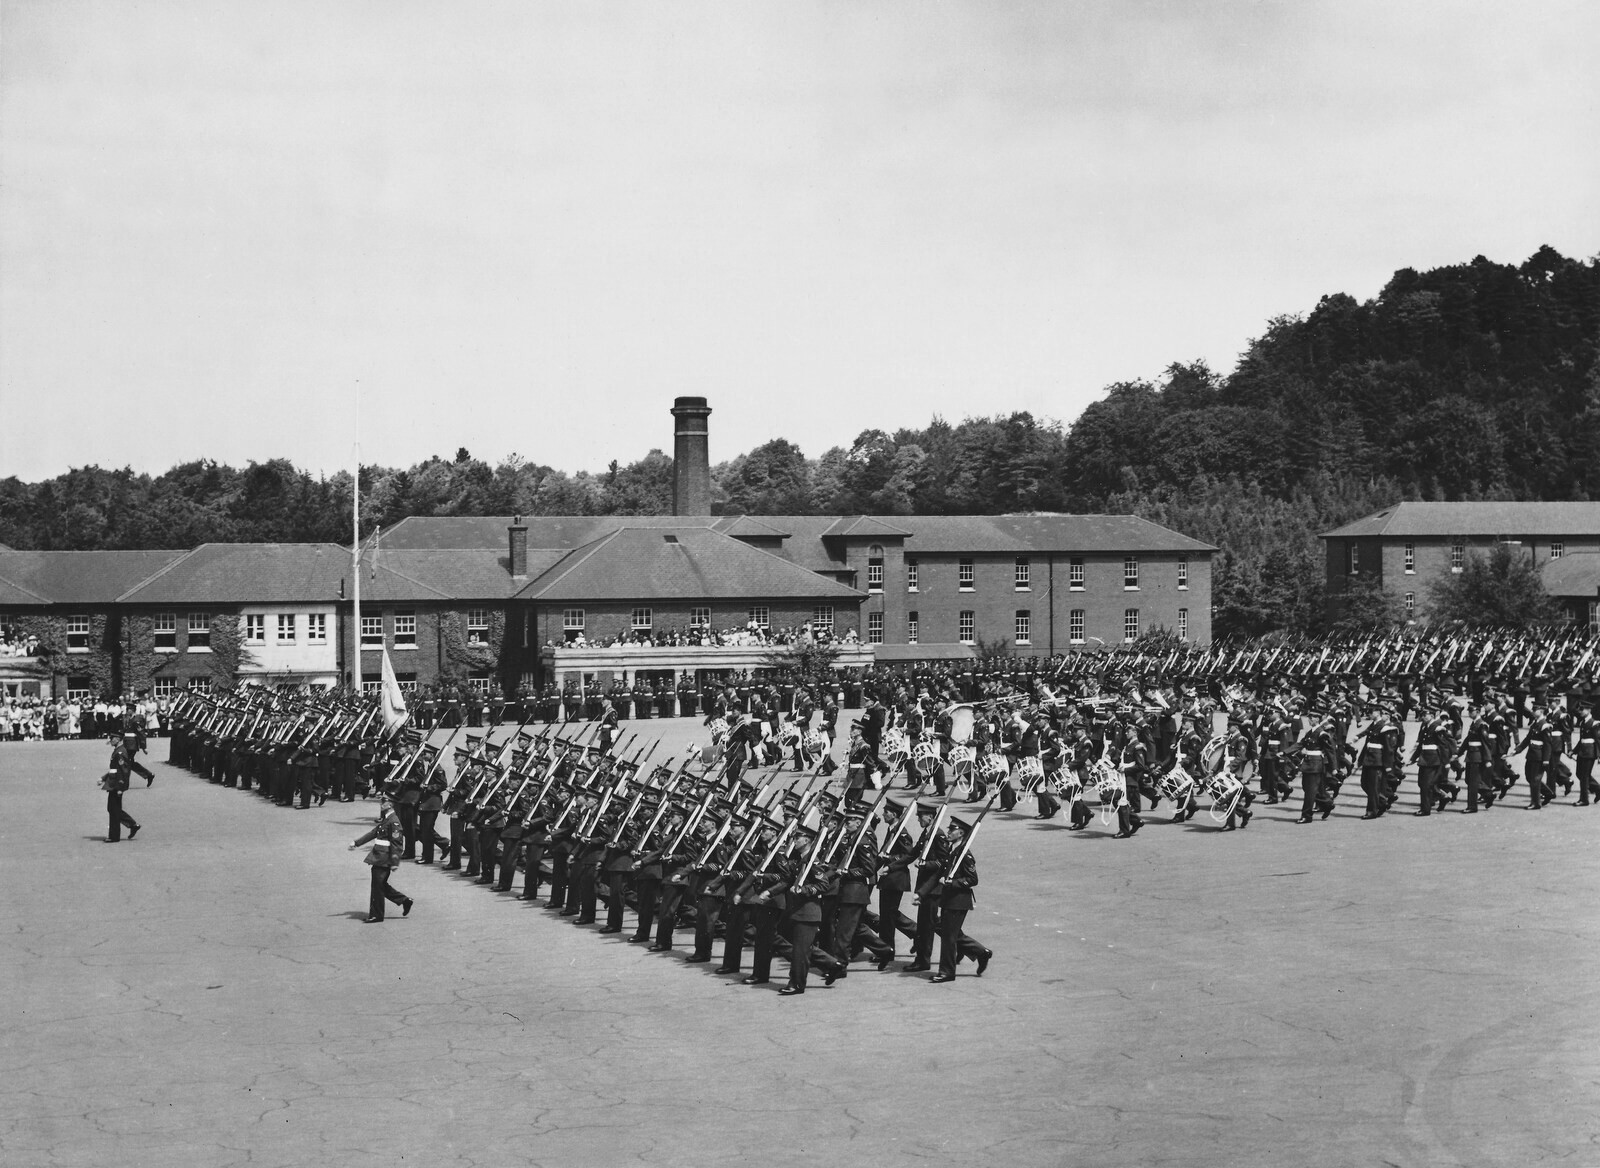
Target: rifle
point(871, 819)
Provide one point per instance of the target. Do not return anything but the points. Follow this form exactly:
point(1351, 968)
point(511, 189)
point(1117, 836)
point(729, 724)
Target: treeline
point(1475, 381)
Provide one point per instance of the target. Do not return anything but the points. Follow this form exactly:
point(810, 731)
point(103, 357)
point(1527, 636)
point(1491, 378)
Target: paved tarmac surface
point(1345, 993)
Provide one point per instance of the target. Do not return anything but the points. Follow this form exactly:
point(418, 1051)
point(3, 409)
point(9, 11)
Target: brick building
point(1406, 547)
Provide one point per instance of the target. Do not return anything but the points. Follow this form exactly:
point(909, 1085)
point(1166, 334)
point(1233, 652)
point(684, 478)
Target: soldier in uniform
point(386, 838)
point(114, 784)
point(954, 890)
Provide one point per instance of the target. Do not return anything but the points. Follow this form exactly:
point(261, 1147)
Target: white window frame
point(78, 633)
point(478, 683)
point(875, 568)
point(642, 620)
point(761, 616)
point(255, 628)
point(286, 625)
point(199, 625)
point(405, 630)
point(874, 628)
point(1411, 559)
point(1130, 573)
point(912, 575)
point(79, 693)
point(163, 687)
point(371, 635)
point(1410, 603)
point(572, 620)
point(1183, 573)
point(200, 685)
point(1558, 548)
point(821, 619)
point(1024, 626)
point(1130, 625)
point(1594, 616)
point(1458, 556)
point(317, 628)
point(1353, 558)
point(965, 570)
point(1183, 624)
point(967, 626)
point(1075, 626)
point(1075, 574)
point(477, 626)
point(700, 616)
point(165, 627)
point(913, 626)
point(1022, 571)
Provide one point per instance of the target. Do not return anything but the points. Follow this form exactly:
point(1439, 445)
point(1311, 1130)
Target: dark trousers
point(927, 929)
point(426, 821)
point(509, 851)
point(458, 839)
point(953, 943)
point(667, 913)
point(765, 919)
point(139, 768)
point(732, 935)
point(891, 919)
point(488, 854)
point(533, 854)
point(805, 953)
point(1372, 784)
point(1428, 780)
point(849, 934)
point(1586, 783)
point(708, 911)
point(587, 887)
point(616, 886)
point(558, 877)
point(646, 891)
point(407, 813)
point(381, 891)
point(1478, 784)
point(117, 815)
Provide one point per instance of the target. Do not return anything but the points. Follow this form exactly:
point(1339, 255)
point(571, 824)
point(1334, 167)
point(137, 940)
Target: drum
point(1108, 786)
point(960, 761)
point(1226, 790)
point(896, 749)
point(816, 744)
point(1177, 785)
point(719, 731)
point(1030, 773)
point(992, 768)
point(961, 721)
point(925, 757)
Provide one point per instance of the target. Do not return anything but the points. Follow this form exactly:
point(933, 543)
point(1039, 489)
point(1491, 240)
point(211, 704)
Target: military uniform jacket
point(957, 891)
point(897, 875)
point(855, 882)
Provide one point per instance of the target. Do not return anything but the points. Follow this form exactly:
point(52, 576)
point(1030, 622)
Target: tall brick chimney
point(519, 547)
point(691, 457)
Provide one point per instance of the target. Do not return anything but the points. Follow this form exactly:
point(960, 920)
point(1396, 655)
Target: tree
point(1500, 589)
point(1366, 607)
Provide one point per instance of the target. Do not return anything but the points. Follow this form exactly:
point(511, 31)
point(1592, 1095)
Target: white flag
point(395, 714)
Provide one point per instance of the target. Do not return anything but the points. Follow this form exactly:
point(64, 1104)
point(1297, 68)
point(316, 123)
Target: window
point(1024, 626)
point(875, 569)
point(317, 628)
point(1355, 559)
point(1557, 549)
point(1411, 605)
point(199, 633)
point(405, 630)
point(1075, 574)
point(163, 687)
point(286, 628)
point(407, 681)
point(1023, 570)
point(166, 629)
point(964, 575)
point(478, 683)
point(1183, 624)
point(572, 619)
point(1075, 626)
point(761, 616)
point(1411, 559)
point(912, 627)
point(255, 628)
point(1458, 556)
point(821, 618)
point(79, 689)
point(643, 618)
point(1130, 624)
point(477, 626)
point(1183, 572)
point(78, 633)
point(965, 631)
point(371, 632)
point(700, 617)
point(199, 685)
point(874, 628)
point(911, 575)
point(1130, 572)
point(1594, 616)
point(371, 683)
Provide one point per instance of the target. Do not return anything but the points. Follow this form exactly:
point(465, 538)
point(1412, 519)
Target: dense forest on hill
point(1474, 381)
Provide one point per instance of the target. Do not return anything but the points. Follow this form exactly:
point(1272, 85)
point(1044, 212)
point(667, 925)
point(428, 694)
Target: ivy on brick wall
point(462, 658)
point(140, 660)
point(228, 650)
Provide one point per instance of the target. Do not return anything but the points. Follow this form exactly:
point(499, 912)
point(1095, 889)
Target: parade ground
point(1400, 992)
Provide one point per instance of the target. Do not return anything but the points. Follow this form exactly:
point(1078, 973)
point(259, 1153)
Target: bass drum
point(962, 719)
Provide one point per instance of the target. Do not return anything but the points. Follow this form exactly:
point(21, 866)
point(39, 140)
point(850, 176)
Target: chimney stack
point(519, 547)
point(691, 457)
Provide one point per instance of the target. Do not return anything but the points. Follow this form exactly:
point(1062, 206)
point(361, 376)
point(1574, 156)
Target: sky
point(525, 228)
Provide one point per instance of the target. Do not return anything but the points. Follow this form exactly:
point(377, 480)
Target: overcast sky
point(527, 227)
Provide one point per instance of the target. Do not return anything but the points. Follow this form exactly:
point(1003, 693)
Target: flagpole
point(355, 548)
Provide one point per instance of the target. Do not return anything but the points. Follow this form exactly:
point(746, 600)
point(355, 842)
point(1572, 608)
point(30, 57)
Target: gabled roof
point(77, 577)
point(749, 527)
point(688, 563)
point(448, 574)
point(866, 526)
point(1577, 574)
point(544, 531)
point(247, 573)
point(1487, 520)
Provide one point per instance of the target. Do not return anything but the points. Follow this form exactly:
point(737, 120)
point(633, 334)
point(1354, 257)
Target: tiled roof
point(748, 526)
point(544, 531)
point(1017, 534)
point(449, 573)
point(247, 573)
point(1577, 574)
point(865, 525)
point(78, 577)
point(690, 563)
point(1512, 520)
